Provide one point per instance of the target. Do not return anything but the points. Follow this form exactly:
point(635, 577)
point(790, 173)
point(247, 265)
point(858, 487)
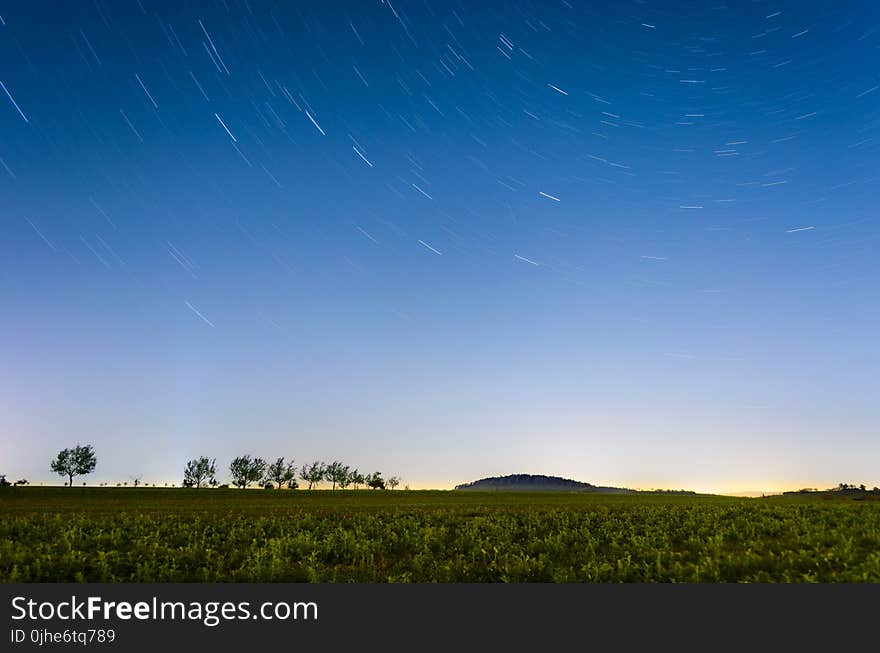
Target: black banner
point(245, 617)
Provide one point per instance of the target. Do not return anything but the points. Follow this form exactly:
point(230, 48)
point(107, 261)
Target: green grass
point(173, 535)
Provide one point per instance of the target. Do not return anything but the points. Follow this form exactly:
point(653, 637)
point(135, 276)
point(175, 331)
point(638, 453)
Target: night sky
point(631, 243)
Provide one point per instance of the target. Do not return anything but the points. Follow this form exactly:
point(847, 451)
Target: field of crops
point(164, 535)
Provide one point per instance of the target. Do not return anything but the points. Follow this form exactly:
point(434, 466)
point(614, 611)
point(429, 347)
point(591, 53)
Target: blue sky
point(627, 243)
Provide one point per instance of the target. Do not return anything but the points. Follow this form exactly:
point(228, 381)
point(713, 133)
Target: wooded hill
point(537, 482)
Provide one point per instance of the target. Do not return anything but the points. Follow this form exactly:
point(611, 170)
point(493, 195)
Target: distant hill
point(538, 483)
point(541, 483)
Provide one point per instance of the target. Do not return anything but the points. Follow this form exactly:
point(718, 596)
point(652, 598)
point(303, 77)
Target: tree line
point(244, 471)
point(5, 483)
point(249, 470)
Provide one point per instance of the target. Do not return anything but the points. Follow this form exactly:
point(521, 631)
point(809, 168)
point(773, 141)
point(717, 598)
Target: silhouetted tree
point(198, 471)
point(343, 476)
point(3, 481)
point(356, 478)
point(393, 482)
point(246, 470)
point(21, 481)
point(375, 481)
point(313, 473)
point(337, 473)
point(74, 462)
point(280, 472)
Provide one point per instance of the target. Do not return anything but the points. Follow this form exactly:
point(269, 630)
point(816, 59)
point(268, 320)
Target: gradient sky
point(631, 243)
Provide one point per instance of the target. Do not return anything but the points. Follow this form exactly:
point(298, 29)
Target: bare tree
point(393, 482)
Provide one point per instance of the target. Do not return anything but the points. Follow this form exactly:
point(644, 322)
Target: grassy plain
point(227, 535)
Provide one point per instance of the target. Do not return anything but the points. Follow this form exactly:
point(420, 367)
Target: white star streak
point(527, 260)
point(202, 317)
point(315, 124)
point(234, 139)
point(422, 242)
point(12, 99)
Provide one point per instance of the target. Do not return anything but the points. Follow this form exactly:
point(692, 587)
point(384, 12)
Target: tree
point(393, 482)
point(74, 462)
point(246, 470)
point(313, 473)
point(198, 471)
point(281, 473)
point(336, 473)
point(344, 478)
point(375, 481)
point(3, 481)
point(356, 478)
point(135, 480)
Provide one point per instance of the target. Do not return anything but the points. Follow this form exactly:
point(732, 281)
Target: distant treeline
point(842, 488)
point(249, 470)
point(245, 471)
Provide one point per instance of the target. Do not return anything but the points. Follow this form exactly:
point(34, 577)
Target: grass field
point(166, 535)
